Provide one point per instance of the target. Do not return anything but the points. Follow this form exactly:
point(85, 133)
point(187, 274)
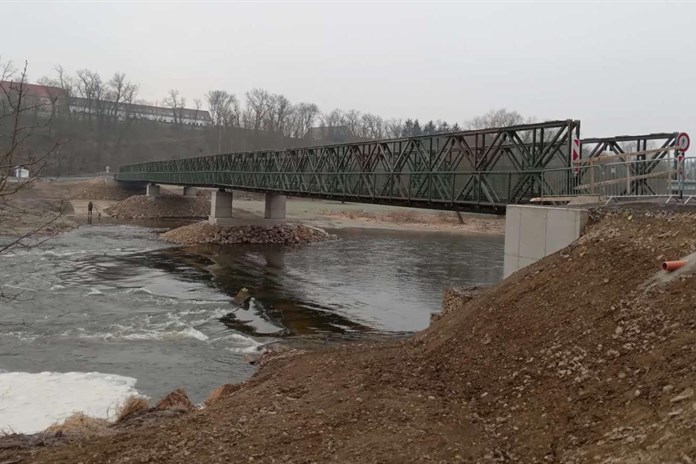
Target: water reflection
point(368, 281)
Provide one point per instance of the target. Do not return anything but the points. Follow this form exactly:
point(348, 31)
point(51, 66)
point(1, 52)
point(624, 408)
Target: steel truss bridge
point(474, 170)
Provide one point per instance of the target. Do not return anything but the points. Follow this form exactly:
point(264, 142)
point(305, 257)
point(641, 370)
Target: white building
point(21, 173)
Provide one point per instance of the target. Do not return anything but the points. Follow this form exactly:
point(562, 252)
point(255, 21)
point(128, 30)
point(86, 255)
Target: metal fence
point(637, 178)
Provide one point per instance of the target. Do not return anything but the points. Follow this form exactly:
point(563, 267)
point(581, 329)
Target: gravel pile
point(142, 207)
point(282, 234)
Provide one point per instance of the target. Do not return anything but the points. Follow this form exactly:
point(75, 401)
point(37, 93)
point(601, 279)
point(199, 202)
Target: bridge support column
point(220, 207)
point(152, 191)
point(190, 191)
point(275, 206)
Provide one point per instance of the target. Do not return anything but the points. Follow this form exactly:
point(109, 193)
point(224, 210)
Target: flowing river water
point(105, 311)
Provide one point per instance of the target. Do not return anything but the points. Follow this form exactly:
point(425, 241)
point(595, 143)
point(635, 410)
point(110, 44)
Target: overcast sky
point(621, 68)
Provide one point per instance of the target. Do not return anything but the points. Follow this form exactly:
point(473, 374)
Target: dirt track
point(572, 359)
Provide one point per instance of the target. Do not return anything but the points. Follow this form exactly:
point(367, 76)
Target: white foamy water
point(30, 403)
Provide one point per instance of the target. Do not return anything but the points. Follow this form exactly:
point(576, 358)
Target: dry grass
point(80, 424)
point(132, 405)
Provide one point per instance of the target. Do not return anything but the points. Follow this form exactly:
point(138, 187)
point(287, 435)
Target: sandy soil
point(584, 356)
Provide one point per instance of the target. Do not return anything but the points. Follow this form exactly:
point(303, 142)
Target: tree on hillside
point(303, 117)
point(334, 118)
point(393, 128)
point(17, 128)
point(497, 118)
point(177, 104)
point(279, 112)
point(224, 111)
point(91, 88)
point(120, 95)
point(429, 128)
point(258, 106)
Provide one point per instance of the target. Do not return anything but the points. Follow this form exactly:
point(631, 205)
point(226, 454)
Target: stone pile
point(281, 234)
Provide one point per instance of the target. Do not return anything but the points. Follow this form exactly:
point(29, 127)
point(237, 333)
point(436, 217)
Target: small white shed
point(21, 173)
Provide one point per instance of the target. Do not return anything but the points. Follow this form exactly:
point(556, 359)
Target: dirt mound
point(573, 359)
point(203, 232)
point(142, 207)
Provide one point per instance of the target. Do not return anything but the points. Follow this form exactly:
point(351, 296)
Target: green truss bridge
point(474, 170)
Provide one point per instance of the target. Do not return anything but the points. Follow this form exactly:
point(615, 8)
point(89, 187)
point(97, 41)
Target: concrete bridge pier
point(152, 190)
point(275, 206)
point(220, 207)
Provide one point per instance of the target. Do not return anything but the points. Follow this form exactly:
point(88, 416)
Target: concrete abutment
point(533, 232)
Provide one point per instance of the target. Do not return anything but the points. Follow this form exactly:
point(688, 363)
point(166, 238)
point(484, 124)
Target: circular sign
point(683, 141)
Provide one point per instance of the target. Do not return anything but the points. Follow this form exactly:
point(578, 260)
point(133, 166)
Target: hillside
point(581, 357)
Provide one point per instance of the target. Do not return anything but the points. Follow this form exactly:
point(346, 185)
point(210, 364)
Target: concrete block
point(561, 229)
point(275, 206)
point(524, 262)
point(510, 264)
point(532, 232)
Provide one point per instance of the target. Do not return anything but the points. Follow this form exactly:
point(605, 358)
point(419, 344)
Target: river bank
point(106, 194)
point(566, 361)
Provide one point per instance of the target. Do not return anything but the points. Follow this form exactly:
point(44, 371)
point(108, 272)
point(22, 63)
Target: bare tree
point(17, 155)
point(497, 118)
point(333, 119)
point(393, 128)
point(176, 103)
point(91, 88)
point(304, 115)
point(280, 110)
point(353, 122)
point(224, 111)
point(258, 105)
point(119, 95)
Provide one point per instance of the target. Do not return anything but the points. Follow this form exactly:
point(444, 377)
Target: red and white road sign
point(575, 154)
point(683, 142)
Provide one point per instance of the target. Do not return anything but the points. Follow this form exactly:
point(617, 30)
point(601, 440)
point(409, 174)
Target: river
point(104, 311)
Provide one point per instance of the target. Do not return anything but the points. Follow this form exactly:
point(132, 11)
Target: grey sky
point(620, 68)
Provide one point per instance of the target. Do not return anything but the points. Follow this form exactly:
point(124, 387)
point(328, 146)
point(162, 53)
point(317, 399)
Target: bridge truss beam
point(662, 142)
point(469, 170)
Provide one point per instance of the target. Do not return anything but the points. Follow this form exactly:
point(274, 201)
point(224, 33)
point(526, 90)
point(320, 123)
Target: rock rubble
point(280, 234)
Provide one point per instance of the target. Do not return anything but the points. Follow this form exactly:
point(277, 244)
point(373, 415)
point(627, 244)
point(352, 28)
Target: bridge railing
point(635, 178)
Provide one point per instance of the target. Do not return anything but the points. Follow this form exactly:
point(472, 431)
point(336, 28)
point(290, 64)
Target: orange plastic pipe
point(670, 266)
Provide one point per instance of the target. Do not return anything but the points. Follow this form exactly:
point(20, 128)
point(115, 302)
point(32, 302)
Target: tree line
point(258, 110)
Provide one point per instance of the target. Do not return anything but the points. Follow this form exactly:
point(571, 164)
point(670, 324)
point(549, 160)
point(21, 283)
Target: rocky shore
point(280, 234)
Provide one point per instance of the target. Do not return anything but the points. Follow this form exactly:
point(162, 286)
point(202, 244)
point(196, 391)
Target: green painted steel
point(469, 170)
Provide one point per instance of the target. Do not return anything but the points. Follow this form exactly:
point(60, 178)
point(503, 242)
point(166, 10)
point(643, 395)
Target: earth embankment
point(573, 359)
